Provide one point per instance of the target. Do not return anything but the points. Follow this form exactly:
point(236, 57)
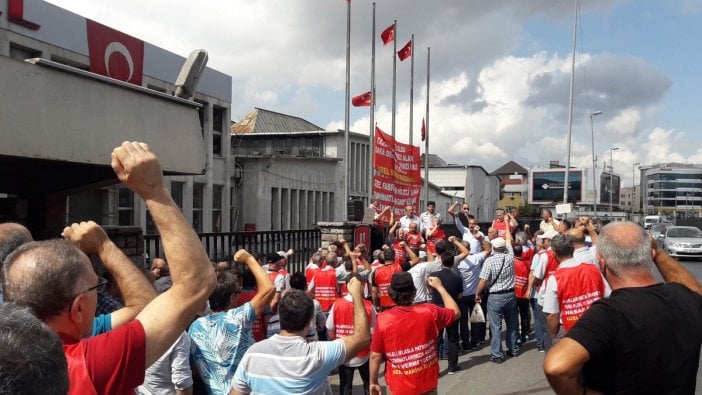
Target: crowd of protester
point(580, 291)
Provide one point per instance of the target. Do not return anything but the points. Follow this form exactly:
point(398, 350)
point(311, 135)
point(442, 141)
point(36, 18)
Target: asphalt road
point(520, 375)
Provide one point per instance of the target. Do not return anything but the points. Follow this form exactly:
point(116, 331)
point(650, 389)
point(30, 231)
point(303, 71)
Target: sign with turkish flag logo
point(115, 54)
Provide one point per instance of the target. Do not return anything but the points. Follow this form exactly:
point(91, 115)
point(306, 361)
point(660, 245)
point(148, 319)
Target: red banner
point(398, 182)
point(115, 54)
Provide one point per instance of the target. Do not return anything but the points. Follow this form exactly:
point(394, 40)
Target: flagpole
point(371, 130)
point(570, 109)
point(394, 74)
point(411, 141)
point(346, 110)
point(426, 134)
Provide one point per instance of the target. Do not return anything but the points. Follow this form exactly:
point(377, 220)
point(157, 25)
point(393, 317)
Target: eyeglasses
point(100, 287)
point(466, 208)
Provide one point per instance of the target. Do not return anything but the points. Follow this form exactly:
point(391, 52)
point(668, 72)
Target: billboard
point(605, 185)
point(546, 186)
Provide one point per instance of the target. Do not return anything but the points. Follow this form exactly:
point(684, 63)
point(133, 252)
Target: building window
point(198, 205)
point(177, 193)
point(20, 52)
point(151, 228)
point(217, 129)
point(126, 206)
point(216, 208)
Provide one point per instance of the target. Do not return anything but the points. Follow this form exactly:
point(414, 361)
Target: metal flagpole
point(570, 108)
point(411, 141)
point(426, 134)
point(394, 74)
point(371, 130)
point(346, 110)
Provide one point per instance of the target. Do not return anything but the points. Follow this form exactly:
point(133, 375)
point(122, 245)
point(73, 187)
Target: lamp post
point(611, 180)
point(594, 174)
point(633, 186)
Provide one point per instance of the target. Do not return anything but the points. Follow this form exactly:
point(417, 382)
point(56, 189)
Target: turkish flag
point(362, 100)
point(406, 51)
point(424, 130)
point(115, 54)
point(388, 34)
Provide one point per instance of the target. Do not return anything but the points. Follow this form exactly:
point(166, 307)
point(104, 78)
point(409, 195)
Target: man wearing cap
point(543, 265)
point(412, 364)
point(497, 275)
point(279, 280)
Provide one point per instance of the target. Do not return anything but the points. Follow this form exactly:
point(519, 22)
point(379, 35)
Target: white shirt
point(405, 222)
point(469, 270)
point(468, 237)
point(550, 294)
point(419, 273)
point(425, 219)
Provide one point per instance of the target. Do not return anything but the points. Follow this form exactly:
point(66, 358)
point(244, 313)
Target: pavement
point(522, 374)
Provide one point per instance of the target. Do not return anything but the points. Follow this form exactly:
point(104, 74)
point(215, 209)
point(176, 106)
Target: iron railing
point(221, 246)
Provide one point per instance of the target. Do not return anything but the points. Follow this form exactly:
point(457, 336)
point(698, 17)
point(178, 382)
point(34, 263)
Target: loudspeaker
point(355, 210)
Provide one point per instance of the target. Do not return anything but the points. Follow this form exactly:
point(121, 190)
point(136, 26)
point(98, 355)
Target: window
point(151, 228)
point(216, 208)
point(126, 206)
point(198, 205)
point(20, 52)
point(177, 193)
point(218, 115)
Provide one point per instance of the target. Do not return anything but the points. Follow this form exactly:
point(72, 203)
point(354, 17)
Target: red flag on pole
point(406, 51)
point(362, 100)
point(424, 130)
point(388, 35)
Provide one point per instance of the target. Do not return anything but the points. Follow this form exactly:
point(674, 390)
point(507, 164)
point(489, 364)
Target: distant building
point(514, 185)
point(631, 199)
point(672, 189)
point(466, 183)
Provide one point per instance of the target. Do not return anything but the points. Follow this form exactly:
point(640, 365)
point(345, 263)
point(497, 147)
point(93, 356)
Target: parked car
point(657, 230)
point(682, 241)
point(651, 220)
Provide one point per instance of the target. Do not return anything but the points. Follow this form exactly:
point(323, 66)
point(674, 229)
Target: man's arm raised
point(136, 290)
point(169, 314)
point(266, 289)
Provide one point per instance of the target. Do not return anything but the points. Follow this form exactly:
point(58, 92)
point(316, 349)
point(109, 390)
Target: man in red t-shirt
point(412, 364)
point(380, 281)
point(56, 280)
point(504, 223)
point(522, 266)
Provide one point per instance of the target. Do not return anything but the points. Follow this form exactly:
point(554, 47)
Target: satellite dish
point(190, 74)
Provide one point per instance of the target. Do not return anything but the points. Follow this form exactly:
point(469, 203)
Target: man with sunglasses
point(56, 280)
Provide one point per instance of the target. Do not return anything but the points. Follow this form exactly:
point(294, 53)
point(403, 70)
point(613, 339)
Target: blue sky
point(500, 70)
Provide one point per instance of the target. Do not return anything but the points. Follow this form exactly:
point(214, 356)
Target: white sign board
point(563, 209)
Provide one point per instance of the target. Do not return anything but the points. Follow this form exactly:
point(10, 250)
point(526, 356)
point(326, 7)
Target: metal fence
point(221, 246)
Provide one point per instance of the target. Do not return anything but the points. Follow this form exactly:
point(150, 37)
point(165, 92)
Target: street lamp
point(594, 175)
point(611, 180)
point(633, 186)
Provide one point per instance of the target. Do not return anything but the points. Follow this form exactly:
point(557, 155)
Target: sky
point(500, 70)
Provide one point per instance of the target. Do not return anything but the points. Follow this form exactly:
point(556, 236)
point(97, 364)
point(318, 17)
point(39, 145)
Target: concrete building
point(672, 189)
point(466, 183)
point(631, 199)
point(514, 185)
point(76, 118)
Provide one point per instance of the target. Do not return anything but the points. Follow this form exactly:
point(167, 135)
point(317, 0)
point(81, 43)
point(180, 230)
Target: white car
point(682, 241)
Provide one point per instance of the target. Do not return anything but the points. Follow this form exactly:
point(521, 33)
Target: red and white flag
point(388, 35)
point(362, 100)
point(424, 130)
point(406, 51)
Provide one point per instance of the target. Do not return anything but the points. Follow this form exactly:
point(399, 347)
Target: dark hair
point(295, 310)
point(447, 259)
point(431, 203)
point(562, 245)
point(32, 360)
point(517, 249)
point(227, 285)
point(247, 277)
point(567, 224)
point(48, 287)
point(440, 247)
point(298, 281)
point(402, 298)
point(389, 255)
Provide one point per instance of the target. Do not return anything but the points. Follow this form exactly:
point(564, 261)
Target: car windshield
point(684, 232)
point(659, 228)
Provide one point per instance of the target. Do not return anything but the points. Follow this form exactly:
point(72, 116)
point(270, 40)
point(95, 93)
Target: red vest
point(414, 240)
point(578, 288)
point(551, 265)
point(259, 326)
point(382, 278)
point(521, 277)
point(310, 273)
point(502, 227)
point(343, 320)
point(325, 287)
point(273, 276)
point(80, 382)
point(400, 253)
